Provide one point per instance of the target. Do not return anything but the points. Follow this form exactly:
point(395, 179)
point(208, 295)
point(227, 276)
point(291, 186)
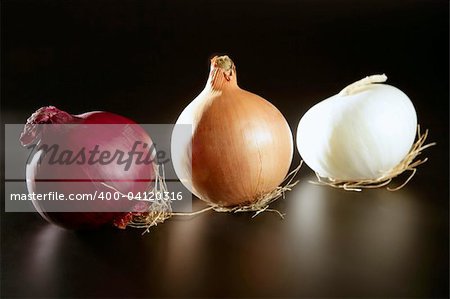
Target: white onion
point(362, 133)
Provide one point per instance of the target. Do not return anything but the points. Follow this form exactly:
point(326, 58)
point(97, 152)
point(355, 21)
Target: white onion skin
point(360, 136)
point(241, 145)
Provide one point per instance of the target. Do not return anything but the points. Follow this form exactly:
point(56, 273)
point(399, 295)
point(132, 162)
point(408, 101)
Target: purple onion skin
point(138, 178)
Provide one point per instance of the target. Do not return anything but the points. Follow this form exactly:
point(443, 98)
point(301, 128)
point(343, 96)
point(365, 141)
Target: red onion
point(107, 177)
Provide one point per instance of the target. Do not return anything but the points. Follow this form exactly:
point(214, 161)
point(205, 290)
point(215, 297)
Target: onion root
point(407, 164)
point(160, 211)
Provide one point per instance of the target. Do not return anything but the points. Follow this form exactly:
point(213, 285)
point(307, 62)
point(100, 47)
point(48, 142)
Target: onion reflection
point(184, 252)
point(347, 240)
point(44, 262)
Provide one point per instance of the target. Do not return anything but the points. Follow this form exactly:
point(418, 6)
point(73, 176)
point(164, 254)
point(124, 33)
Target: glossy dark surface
point(148, 59)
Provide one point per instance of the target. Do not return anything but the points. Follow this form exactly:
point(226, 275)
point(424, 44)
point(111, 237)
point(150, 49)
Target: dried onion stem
point(362, 84)
point(407, 164)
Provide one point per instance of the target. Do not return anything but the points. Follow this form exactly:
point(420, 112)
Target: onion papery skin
point(360, 136)
point(83, 178)
point(241, 145)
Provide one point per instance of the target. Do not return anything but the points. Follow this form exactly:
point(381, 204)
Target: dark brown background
point(148, 59)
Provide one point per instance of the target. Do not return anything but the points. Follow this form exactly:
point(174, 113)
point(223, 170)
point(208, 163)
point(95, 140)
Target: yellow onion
point(241, 146)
